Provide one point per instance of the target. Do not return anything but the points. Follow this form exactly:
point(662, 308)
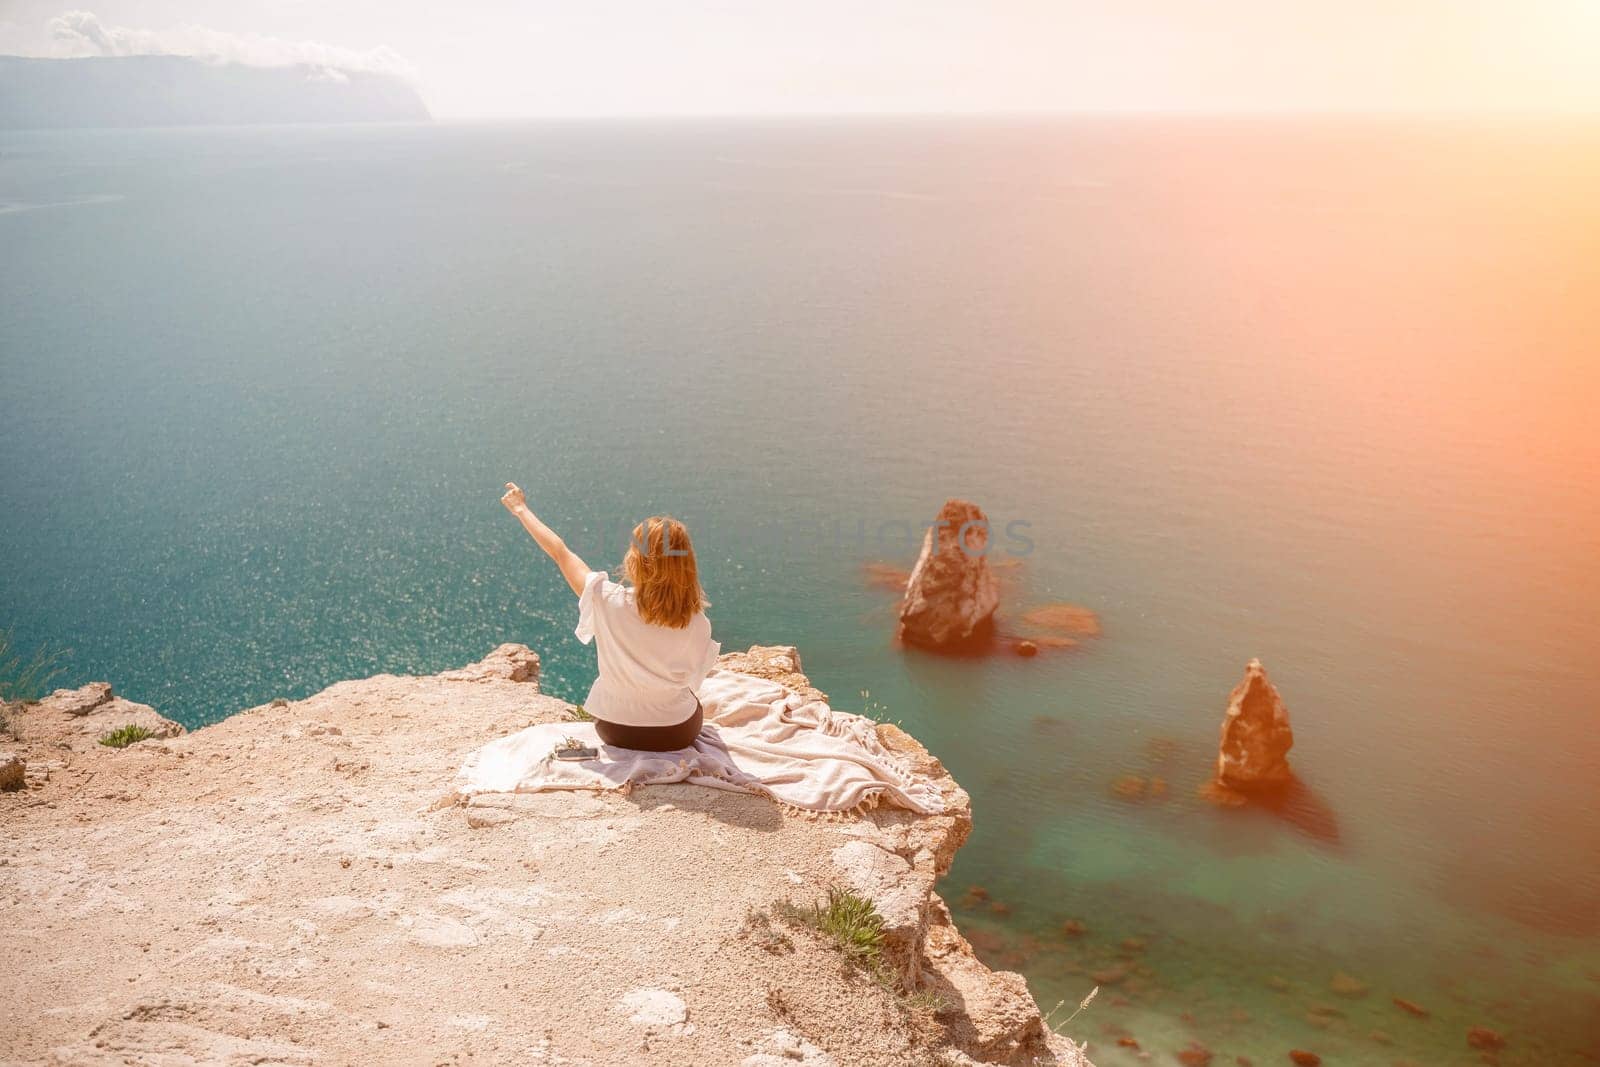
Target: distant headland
point(125, 91)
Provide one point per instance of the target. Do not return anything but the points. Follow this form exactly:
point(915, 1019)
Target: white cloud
point(81, 33)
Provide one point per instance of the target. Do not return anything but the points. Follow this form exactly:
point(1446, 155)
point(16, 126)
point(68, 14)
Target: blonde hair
point(660, 564)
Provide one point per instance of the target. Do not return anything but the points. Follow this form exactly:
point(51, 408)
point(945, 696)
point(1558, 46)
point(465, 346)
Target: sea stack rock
point(1256, 738)
point(952, 593)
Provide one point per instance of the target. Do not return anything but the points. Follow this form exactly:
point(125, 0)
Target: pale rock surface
point(783, 1049)
point(82, 700)
point(280, 888)
point(952, 594)
point(654, 1007)
point(508, 663)
point(76, 719)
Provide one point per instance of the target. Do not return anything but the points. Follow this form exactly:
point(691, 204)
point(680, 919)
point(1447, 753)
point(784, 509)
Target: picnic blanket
point(759, 737)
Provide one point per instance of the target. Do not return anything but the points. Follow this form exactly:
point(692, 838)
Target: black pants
point(652, 738)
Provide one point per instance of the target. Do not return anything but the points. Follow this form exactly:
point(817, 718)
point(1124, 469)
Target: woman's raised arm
point(573, 569)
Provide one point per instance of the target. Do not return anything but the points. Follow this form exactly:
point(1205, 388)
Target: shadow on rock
point(736, 809)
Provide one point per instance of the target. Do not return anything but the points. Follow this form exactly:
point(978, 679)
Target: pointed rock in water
point(952, 593)
point(1256, 738)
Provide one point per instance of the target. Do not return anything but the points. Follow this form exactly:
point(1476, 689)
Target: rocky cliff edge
point(275, 889)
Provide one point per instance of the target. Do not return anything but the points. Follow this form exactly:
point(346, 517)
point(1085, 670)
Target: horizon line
point(1039, 113)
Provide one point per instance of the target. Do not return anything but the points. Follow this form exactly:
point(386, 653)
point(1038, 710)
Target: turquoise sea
point(1323, 392)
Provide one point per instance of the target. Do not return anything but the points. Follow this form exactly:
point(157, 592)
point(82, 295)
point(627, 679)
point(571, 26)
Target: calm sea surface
point(1322, 393)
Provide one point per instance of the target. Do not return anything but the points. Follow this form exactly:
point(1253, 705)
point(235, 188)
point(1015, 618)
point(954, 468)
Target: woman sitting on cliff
point(653, 638)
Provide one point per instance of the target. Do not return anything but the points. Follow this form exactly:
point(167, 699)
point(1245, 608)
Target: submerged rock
point(1411, 1007)
point(1481, 1037)
point(1128, 787)
point(1073, 619)
point(1254, 753)
point(881, 575)
point(1346, 985)
point(952, 593)
point(1049, 626)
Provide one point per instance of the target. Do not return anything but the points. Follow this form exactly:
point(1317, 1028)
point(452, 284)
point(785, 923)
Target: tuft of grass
point(875, 710)
point(125, 735)
point(578, 714)
point(27, 677)
point(851, 921)
point(921, 1010)
point(846, 918)
point(930, 1001)
point(1081, 1005)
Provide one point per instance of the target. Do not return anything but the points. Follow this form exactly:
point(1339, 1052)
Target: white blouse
point(648, 673)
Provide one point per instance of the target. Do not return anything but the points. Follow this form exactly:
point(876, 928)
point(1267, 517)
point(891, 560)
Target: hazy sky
point(494, 58)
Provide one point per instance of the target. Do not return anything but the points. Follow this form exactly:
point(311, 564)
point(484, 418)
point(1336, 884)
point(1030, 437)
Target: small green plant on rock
point(126, 735)
point(852, 923)
point(577, 712)
point(848, 919)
